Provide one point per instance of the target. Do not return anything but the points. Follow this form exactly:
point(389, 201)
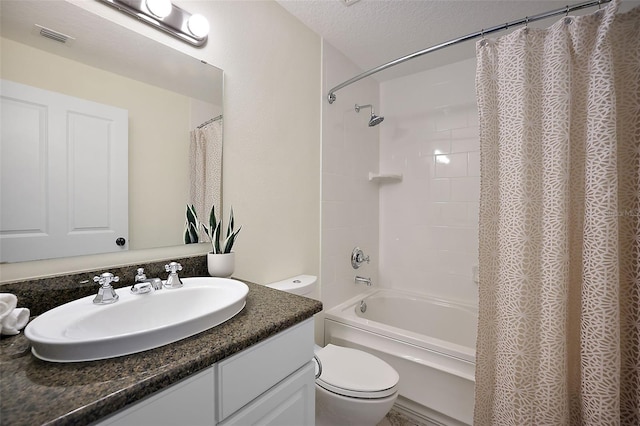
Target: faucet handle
point(106, 293)
point(140, 275)
point(358, 257)
point(173, 267)
point(106, 279)
point(173, 281)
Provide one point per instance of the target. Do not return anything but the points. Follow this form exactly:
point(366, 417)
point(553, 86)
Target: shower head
point(375, 119)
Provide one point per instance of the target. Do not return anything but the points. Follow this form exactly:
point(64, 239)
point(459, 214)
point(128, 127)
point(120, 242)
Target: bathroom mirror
point(167, 93)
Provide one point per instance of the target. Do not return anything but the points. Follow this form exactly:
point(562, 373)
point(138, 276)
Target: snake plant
point(191, 226)
point(213, 231)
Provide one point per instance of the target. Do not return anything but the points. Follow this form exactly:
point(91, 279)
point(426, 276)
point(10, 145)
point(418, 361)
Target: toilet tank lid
point(300, 284)
point(355, 370)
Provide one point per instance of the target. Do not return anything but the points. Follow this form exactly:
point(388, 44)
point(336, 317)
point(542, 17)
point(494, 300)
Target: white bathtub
point(430, 342)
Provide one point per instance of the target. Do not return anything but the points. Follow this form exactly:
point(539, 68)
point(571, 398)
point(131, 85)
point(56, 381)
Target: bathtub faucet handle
point(358, 257)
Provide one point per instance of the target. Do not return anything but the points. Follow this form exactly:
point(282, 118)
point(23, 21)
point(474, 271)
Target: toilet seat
point(356, 374)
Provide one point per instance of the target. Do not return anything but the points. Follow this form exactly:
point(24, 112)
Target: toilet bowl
point(353, 387)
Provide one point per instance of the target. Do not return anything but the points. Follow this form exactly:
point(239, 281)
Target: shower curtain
point(205, 170)
point(559, 319)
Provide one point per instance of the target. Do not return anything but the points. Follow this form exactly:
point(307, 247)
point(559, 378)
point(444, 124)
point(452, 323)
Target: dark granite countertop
point(34, 392)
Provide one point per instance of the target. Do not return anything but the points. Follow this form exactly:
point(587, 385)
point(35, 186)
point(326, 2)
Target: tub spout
point(362, 280)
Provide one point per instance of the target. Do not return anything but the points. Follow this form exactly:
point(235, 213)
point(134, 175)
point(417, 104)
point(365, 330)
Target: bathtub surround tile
point(426, 234)
point(406, 137)
point(437, 143)
point(445, 197)
point(350, 202)
point(465, 144)
point(451, 165)
point(440, 189)
point(333, 242)
point(422, 125)
point(343, 286)
point(465, 189)
point(332, 215)
point(448, 214)
point(333, 160)
point(450, 261)
point(454, 238)
point(474, 213)
point(366, 214)
point(350, 206)
point(473, 118)
point(474, 164)
point(471, 132)
point(450, 118)
point(415, 169)
point(451, 287)
point(337, 187)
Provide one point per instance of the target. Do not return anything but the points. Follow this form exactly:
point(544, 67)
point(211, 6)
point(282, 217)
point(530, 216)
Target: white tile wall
point(350, 203)
point(428, 222)
point(421, 233)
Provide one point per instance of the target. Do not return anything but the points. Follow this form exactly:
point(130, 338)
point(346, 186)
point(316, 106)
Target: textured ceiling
point(373, 32)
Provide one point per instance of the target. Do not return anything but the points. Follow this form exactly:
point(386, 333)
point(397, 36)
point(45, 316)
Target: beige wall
point(271, 166)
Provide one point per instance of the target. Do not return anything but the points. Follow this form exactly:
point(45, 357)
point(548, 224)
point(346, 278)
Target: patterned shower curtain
point(559, 321)
point(205, 170)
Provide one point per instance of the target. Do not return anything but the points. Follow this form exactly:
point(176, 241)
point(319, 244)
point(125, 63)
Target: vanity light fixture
point(198, 25)
point(160, 8)
point(162, 14)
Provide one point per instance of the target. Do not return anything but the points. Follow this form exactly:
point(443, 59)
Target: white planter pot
point(221, 265)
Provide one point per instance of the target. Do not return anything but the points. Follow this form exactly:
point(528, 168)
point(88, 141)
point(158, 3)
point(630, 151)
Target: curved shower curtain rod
point(331, 96)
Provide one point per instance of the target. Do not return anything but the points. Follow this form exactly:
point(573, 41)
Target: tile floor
point(395, 418)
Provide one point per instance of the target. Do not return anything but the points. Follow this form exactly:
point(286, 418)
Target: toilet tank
point(300, 284)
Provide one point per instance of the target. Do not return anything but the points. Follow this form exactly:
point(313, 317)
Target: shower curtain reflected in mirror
point(205, 171)
point(559, 319)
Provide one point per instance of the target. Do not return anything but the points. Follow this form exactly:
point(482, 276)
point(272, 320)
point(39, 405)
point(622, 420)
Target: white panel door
point(64, 175)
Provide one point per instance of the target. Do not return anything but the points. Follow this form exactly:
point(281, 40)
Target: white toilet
point(354, 387)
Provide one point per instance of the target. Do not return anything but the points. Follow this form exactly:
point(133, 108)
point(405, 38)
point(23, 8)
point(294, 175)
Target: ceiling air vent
point(53, 35)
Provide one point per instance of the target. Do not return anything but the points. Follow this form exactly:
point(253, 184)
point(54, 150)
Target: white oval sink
point(83, 331)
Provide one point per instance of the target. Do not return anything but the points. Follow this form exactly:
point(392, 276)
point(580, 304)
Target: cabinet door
point(291, 402)
point(189, 402)
point(252, 372)
point(64, 186)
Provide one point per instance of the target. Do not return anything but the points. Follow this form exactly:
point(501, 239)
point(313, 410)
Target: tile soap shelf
point(385, 177)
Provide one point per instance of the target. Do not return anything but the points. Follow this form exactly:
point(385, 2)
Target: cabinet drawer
point(246, 375)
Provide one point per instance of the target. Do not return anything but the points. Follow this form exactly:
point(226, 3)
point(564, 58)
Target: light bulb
point(159, 8)
point(198, 25)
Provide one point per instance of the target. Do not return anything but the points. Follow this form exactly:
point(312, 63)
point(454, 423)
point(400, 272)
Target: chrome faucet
point(143, 285)
point(173, 281)
point(106, 293)
point(362, 280)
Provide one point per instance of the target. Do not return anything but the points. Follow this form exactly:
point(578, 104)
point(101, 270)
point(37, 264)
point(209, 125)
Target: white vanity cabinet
point(270, 383)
